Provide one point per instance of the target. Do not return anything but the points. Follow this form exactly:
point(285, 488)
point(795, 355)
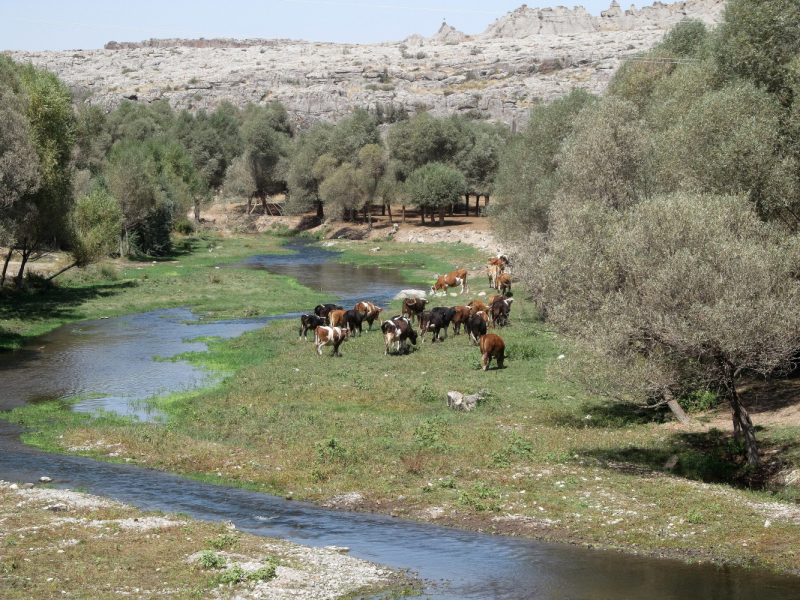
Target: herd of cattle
point(332, 324)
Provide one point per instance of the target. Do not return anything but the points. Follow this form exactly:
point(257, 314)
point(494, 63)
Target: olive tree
point(36, 219)
point(95, 224)
point(673, 294)
point(435, 186)
point(526, 180)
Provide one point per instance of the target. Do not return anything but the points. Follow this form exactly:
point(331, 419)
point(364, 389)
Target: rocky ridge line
point(526, 57)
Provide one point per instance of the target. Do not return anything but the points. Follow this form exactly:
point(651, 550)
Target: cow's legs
point(486, 359)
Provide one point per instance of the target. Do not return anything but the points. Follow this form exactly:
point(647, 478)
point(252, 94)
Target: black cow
point(322, 310)
point(398, 330)
point(476, 326)
point(352, 321)
point(448, 313)
point(431, 321)
point(309, 323)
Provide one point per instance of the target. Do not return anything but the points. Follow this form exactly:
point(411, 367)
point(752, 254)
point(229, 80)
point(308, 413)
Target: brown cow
point(370, 312)
point(504, 283)
point(492, 346)
point(460, 318)
point(476, 305)
point(413, 307)
point(492, 299)
point(453, 279)
point(336, 318)
point(501, 260)
point(325, 336)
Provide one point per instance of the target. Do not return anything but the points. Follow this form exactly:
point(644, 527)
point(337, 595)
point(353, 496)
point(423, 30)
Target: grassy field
point(537, 457)
point(186, 278)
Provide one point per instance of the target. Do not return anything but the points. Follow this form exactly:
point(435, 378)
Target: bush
point(210, 560)
point(185, 227)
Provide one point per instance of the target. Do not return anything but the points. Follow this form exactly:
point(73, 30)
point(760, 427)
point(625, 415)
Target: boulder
point(458, 401)
point(410, 294)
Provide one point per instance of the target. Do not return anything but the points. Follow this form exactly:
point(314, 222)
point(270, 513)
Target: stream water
point(111, 357)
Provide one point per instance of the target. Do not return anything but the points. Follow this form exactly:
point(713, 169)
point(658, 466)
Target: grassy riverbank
point(185, 278)
point(61, 542)
point(538, 457)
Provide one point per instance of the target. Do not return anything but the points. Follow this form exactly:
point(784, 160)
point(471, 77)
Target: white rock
point(453, 294)
point(481, 293)
point(560, 356)
point(410, 294)
point(45, 479)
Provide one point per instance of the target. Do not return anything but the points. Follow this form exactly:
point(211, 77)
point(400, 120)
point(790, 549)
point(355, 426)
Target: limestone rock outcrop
point(527, 57)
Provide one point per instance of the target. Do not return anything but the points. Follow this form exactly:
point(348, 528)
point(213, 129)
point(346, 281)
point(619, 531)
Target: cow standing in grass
point(504, 283)
point(322, 310)
point(492, 346)
point(453, 279)
point(369, 311)
point(309, 323)
point(330, 336)
point(397, 331)
point(413, 307)
point(476, 326)
point(460, 318)
point(352, 321)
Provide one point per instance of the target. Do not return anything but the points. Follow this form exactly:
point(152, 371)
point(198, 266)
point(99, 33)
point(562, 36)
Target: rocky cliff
point(529, 56)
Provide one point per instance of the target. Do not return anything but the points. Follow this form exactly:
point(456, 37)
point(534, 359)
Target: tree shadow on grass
point(53, 303)
point(610, 414)
point(711, 456)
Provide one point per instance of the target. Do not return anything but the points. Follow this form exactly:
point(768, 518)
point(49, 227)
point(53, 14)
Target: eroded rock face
point(528, 56)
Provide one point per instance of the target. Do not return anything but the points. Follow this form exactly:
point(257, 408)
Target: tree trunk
point(389, 207)
point(196, 215)
point(422, 214)
point(249, 204)
point(441, 215)
point(368, 212)
point(741, 418)
point(61, 271)
point(452, 210)
point(383, 211)
point(404, 214)
point(127, 242)
point(5, 266)
point(676, 409)
point(320, 214)
point(486, 201)
point(25, 255)
point(466, 205)
point(264, 203)
point(477, 205)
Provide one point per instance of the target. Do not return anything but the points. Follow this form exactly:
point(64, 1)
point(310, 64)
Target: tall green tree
point(37, 220)
point(435, 186)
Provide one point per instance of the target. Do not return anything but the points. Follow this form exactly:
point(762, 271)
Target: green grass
point(564, 464)
point(187, 278)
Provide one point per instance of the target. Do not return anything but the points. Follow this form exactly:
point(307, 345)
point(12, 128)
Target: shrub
point(184, 226)
point(210, 560)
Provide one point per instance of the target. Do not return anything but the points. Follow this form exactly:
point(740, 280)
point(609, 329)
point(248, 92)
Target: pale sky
point(86, 24)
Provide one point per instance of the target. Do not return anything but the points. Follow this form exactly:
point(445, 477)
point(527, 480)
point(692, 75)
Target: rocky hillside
point(528, 56)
